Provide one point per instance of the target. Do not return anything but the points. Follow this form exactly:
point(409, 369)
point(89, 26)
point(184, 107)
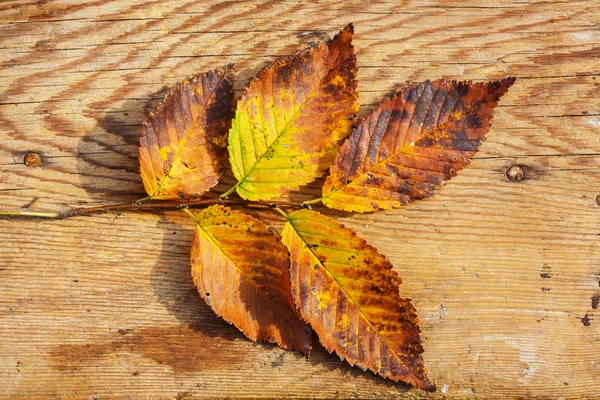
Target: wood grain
point(502, 273)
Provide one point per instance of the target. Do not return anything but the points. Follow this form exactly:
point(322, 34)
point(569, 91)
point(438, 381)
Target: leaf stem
point(188, 212)
point(227, 193)
point(280, 211)
point(143, 199)
point(314, 201)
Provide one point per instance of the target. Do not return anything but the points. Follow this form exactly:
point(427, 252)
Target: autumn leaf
point(242, 271)
point(411, 144)
point(182, 144)
point(348, 293)
point(290, 119)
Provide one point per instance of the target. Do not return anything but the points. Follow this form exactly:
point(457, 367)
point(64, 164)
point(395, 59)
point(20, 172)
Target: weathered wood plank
point(502, 273)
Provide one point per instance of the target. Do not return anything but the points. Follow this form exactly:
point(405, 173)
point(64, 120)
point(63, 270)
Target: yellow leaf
point(348, 292)
point(182, 144)
point(241, 270)
point(411, 144)
point(290, 119)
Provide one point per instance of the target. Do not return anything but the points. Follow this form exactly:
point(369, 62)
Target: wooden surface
point(503, 274)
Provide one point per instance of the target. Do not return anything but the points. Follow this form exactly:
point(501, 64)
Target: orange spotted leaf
point(183, 144)
point(348, 292)
point(411, 144)
point(291, 118)
point(241, 270)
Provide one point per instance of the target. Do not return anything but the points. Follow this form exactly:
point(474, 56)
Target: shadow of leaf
point(107, 156)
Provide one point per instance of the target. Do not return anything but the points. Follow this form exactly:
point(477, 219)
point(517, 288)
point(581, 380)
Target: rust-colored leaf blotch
point(242, 271)
point(348, 293)
point(290, 119)
point(411, 144)
point(183, 144)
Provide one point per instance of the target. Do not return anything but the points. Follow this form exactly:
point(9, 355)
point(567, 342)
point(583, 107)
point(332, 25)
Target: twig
point(32, 214)
point(145, 206)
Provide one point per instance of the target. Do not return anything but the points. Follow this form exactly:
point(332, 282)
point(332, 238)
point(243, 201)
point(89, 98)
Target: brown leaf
point(411, 144)
point(242, 271)
point(183, 144)
point(348, 292)
point(290, 119)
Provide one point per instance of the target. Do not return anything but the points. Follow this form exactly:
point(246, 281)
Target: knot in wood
point(515, 173)
point(32, 160)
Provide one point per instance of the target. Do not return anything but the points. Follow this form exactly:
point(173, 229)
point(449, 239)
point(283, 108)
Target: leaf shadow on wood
point(110, 151)
point(107, 156)
point(108, 169)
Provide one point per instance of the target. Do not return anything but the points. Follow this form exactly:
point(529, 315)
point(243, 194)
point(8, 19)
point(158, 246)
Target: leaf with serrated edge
point(348, 293)
point(182, 144)
point(290, 119)
point(411, 144)
point(241, 270)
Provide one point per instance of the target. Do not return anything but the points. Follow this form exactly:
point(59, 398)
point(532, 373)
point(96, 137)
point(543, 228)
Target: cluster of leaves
point(292, 124)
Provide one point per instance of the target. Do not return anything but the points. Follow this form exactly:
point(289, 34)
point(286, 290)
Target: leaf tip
point(225, 70)
point(344, 36)
point(306, 347)
point(350, 27)
point(428, 386)
point(510, 80)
